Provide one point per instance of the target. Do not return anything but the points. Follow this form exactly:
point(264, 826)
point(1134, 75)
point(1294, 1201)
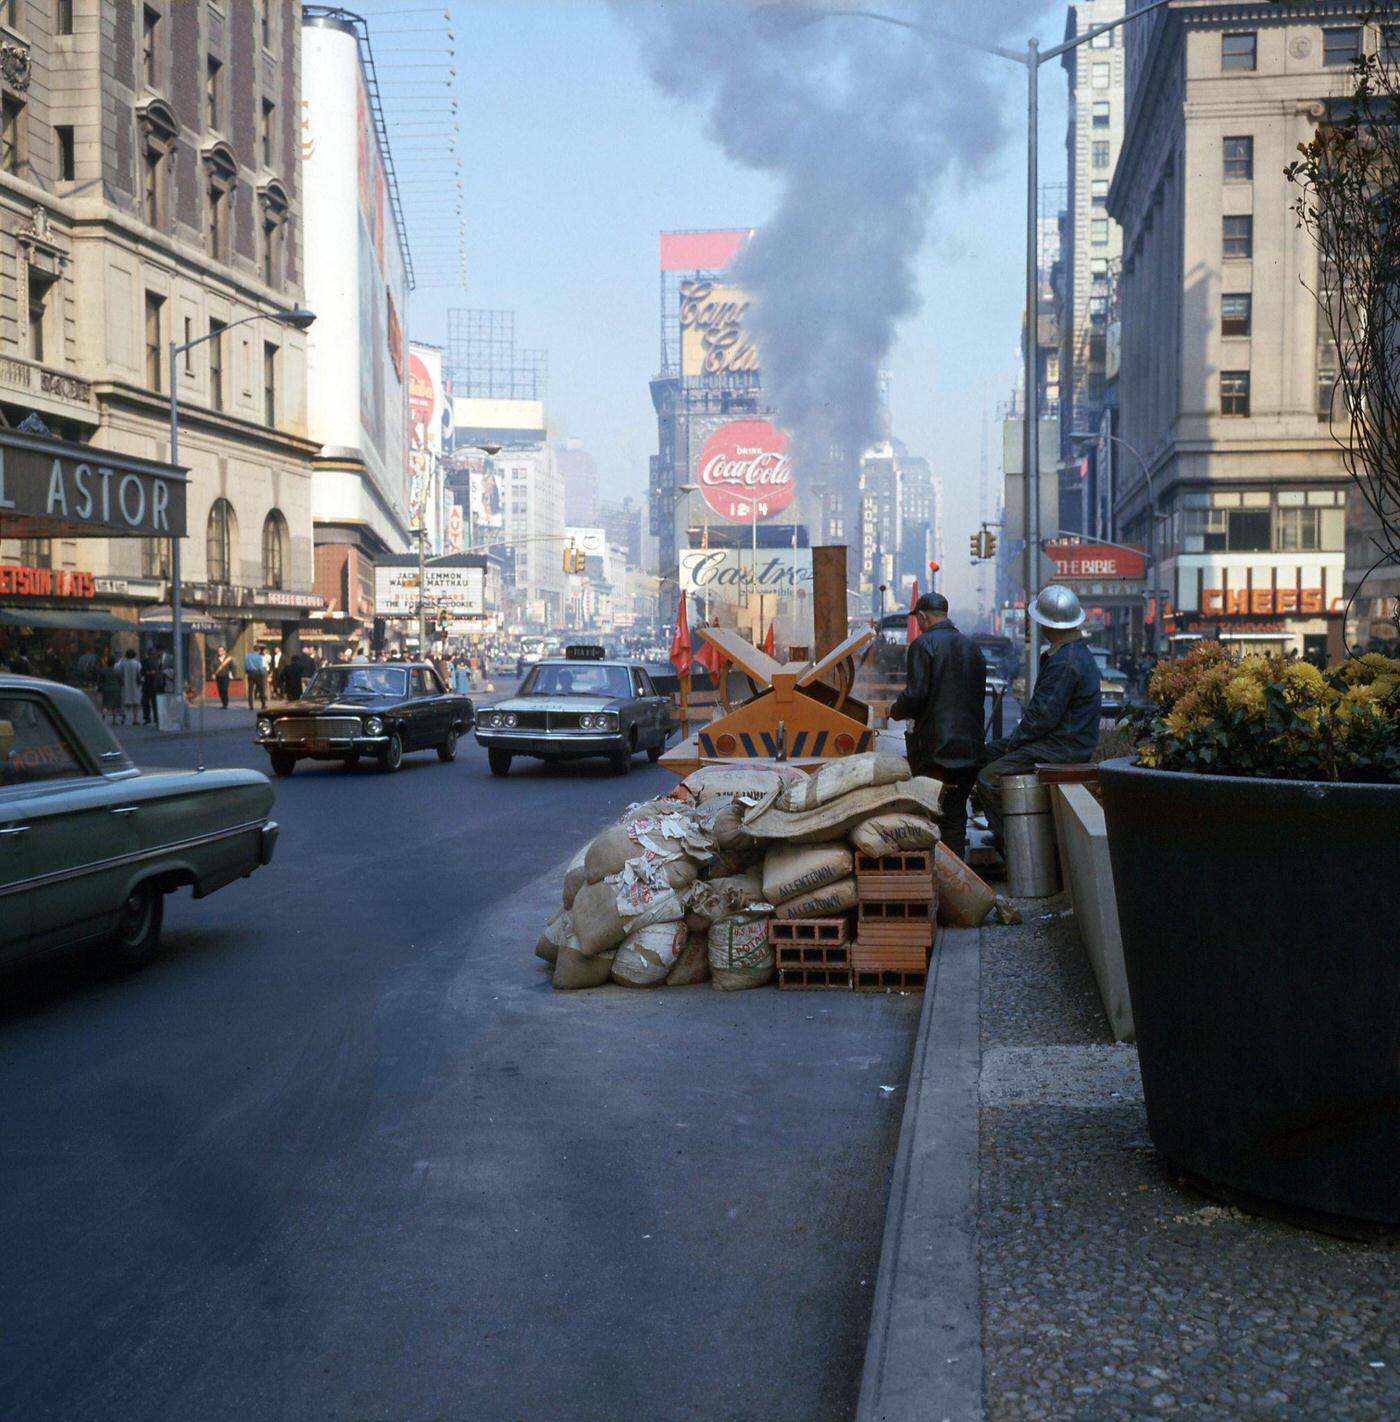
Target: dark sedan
point(367, 709)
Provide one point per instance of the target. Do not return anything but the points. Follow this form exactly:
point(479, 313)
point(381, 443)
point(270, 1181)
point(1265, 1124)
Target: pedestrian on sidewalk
point(223, 670)
point(130, 670)
point(943, 699)
point(293, 671)
point(1060, 724)
point(109, 685)
point(151, 683)
point(255, 673)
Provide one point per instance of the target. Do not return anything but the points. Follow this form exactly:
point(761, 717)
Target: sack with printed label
point(646, 955)
point(964, 899)
point(605, 913)
point(693, 964)
point(793, 869)
point(750, 779)
point(573, 969)
point(558, 931)
point(829, 901)
point(840, 777)
point(740, 954)
point(894, 834)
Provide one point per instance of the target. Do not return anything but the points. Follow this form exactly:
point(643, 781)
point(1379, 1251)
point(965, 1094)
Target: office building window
point(272, 250)
point(217, 226)
point(1238, 237)
point(1099, 153)
point(154, 306)
point(1098, 192)
point(1100, 113)
point(155, 557)
point(1098, 231)
point(150, 46)
point(269, 383)
point(1234, 392)
point(1390, 44)
point(1238, 51)
point(269, 133)
point(65, 158)
point(153, 187)
point(1098, 266)
point(216, 364)
point(274, 549)
point(1100, 76)
point(1239, 159)
point(1341, 46)
point(1299, 530)
point(214, 94)
point(265, 22)
point(1234, 315)
point(1103, 41)
point(63, 17)
point(218, 542)
point(36, 552)
point(1098, 305)
point(11, 134)
point(39, 287)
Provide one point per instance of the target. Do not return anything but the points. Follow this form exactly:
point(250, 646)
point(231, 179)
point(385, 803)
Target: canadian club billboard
point(745, 472)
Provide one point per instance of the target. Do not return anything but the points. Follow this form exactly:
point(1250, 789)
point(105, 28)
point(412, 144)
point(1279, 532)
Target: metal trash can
point(1032, 866)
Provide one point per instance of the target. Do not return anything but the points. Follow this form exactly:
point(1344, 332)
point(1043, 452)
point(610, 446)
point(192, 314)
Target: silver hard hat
point(1057, 607)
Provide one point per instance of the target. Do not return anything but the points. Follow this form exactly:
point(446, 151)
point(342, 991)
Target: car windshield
point(338, 683)
point(576, 679)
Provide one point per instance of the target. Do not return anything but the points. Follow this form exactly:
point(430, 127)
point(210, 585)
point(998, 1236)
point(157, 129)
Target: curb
point(923, 1356)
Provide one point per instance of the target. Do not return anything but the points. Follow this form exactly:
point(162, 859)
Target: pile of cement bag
point(681, 890)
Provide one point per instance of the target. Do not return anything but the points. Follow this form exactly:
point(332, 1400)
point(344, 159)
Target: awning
point(68, 621)
point(158, 619)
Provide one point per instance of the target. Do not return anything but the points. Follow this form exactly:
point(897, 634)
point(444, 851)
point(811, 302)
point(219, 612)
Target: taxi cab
point(579, 705)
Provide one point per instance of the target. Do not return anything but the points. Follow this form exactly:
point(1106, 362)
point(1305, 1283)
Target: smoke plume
point(864, 125)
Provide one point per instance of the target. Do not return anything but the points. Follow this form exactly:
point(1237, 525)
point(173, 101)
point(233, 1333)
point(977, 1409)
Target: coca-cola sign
point(744, 471)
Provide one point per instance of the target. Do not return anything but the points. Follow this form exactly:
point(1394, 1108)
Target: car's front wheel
point(283, 762)
point(134, 943)
point(447, 751)
point(499, 761)
point(391, 757)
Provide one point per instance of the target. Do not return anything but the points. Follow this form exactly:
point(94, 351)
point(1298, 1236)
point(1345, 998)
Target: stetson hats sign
point(745, 472)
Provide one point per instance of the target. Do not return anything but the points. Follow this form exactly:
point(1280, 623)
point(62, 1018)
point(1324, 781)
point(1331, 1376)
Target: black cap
point(935, 603)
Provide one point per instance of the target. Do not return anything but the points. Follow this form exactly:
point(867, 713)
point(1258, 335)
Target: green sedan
point(90, 845)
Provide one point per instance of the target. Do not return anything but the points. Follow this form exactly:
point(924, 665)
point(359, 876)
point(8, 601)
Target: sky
point(572, 162)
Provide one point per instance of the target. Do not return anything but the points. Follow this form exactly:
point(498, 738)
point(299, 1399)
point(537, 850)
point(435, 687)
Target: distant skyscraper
point(580, 473)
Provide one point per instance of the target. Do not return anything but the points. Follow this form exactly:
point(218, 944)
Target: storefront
point(59, 621)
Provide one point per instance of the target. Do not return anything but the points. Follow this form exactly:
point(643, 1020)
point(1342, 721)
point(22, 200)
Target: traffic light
point(976, 545)
point(989, 544)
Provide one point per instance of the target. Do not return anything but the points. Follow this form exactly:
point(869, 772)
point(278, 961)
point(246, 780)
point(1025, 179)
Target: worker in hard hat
point(1060, 723)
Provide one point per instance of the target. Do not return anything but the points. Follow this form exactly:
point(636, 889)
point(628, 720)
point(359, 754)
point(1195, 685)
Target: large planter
point(1259, 922)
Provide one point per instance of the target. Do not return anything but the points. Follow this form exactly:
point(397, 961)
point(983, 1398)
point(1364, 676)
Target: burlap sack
point(837, 818)
point(646, 956)
point(573, 969)
point(793, 869)
point(740, 777)
point(740, 954)
point(839, 777)
point(600, 923)
point(893, 834)
point(608, 853)
point(826, 902)
point(724, 820)
point(575, 876)
point(718, 898)
point(558, 931)
point(963, 898)
point(693, 964)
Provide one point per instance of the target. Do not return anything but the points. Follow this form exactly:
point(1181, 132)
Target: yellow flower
point(1303, 677)
point(1244, 693)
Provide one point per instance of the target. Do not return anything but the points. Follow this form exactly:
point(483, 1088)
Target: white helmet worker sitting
point(1060, 723)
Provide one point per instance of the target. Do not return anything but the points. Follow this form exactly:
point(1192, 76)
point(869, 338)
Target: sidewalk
point(1101, 1287)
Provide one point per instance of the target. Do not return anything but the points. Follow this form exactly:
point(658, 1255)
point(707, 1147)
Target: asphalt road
point(343, 1153)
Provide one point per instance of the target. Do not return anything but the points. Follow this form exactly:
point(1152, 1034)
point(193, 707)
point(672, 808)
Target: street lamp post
point(1154, 515)
point(1032, 58)
point(298, 319)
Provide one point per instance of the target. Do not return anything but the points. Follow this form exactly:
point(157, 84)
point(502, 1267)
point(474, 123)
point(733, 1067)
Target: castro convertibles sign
point(745, 472)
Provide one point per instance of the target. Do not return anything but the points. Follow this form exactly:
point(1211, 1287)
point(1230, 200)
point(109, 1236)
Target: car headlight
point(585, 722)
point(511, 718)
point(264, 726)
point(605, 721)
point(374, 726)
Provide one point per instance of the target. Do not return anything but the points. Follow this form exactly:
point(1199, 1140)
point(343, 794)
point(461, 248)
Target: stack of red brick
point(894, 926)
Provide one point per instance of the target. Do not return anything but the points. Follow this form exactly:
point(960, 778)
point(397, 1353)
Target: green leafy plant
point(1217, 713)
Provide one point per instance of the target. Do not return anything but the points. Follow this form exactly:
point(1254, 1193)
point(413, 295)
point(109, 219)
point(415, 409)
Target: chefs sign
point(745, 472)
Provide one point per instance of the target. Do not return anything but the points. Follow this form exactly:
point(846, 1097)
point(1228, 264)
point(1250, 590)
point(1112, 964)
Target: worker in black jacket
point(1060, 723)
point(947, 684)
